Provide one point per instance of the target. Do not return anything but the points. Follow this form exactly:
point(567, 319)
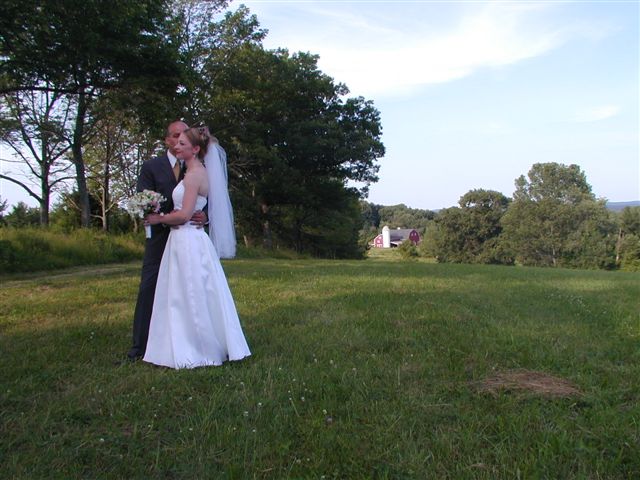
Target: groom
point(160, 174)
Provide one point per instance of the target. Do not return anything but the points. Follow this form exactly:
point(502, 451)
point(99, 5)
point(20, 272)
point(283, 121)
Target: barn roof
point(400, 234)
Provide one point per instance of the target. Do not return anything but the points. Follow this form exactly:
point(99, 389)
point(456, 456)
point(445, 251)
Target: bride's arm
point(178, 217)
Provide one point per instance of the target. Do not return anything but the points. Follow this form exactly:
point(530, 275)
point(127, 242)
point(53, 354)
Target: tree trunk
point(44, 208)
point(619, 245)
point(45, 190)
point(267, 239)
point(78, 160)
point(105, 196)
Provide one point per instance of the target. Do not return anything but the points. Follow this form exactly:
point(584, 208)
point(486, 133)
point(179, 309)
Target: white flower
point(145, 202)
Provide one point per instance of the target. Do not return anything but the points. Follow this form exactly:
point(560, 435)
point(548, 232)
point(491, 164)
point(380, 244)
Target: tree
point(22, 215)
point(3, 208)
point(471, 232)
point(289, 136)
point(36, 126)
point(114, 156)
point(555, 220)
point(401, 216)
point(628, 239)
point(84, 48)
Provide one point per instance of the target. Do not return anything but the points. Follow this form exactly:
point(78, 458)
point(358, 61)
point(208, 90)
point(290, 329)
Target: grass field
point(360, 369)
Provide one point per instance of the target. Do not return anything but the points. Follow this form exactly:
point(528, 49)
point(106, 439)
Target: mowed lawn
point(360, 370)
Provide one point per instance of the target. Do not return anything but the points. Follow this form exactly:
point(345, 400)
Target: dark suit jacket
point(157, 175)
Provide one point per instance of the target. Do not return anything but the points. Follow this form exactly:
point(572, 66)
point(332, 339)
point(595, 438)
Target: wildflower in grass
point(245, 413)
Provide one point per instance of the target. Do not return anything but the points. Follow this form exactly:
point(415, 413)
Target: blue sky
point(472, 93)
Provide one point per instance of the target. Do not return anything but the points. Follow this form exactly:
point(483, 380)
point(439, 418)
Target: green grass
point(360, 369)
point(37, 249)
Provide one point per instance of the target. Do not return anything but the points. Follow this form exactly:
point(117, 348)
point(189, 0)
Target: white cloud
point(595, 114)
point(376, 52)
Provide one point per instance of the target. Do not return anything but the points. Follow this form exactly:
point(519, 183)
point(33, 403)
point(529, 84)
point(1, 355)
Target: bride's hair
point(199, 136)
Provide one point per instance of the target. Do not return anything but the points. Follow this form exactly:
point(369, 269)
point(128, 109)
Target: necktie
point(176, 170)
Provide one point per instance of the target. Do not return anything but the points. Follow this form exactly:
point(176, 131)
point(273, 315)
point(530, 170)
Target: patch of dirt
point(528, 381)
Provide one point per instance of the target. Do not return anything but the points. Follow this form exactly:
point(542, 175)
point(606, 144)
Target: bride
point(194, 321)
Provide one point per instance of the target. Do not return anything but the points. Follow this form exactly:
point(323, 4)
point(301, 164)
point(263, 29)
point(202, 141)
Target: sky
point(471, 94)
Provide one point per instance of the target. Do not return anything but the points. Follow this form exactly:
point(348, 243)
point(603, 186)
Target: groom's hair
point(199, 136)
point(167, 131)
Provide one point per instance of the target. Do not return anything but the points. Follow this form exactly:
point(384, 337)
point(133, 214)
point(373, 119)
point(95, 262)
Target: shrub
point(408, 250)
point(32, 249)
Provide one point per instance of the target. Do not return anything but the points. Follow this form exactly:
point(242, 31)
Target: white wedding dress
point(194, 321)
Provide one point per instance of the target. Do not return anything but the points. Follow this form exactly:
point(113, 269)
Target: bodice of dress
point(178, 195)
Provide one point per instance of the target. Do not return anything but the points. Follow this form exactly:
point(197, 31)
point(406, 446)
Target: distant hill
point(617, 206)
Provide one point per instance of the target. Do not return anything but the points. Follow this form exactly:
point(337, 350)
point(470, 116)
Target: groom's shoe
point(132, 357)
point(127, 360)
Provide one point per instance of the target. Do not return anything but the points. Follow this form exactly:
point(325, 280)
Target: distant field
point(360, 369)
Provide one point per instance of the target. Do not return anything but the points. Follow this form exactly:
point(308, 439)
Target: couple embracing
point(185, 316)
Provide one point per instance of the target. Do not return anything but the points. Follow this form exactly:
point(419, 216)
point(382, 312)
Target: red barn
point(396, 237)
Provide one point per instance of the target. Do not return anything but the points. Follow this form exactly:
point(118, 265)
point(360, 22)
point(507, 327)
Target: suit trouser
point(144, 307)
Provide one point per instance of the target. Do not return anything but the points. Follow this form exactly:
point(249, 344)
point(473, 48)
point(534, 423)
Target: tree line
point(87, 88)
point(553, 219)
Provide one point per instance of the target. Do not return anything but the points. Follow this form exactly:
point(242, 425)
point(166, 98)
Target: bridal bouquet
point(143, 203)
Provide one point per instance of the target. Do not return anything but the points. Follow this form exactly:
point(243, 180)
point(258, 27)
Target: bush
point(407, 250)
point(630, 254)
point(33, 249)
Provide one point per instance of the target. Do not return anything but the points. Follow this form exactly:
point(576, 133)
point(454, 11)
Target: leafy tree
point(114, 155)
point(66, 213)
point(555, 220)
point(628, 241)
point(401, 216)
point(370, 213)
point(290, 137)
point(408, 250)
point(3, 208)
point(470, 233)
point(22, 215)
point(85, 48)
